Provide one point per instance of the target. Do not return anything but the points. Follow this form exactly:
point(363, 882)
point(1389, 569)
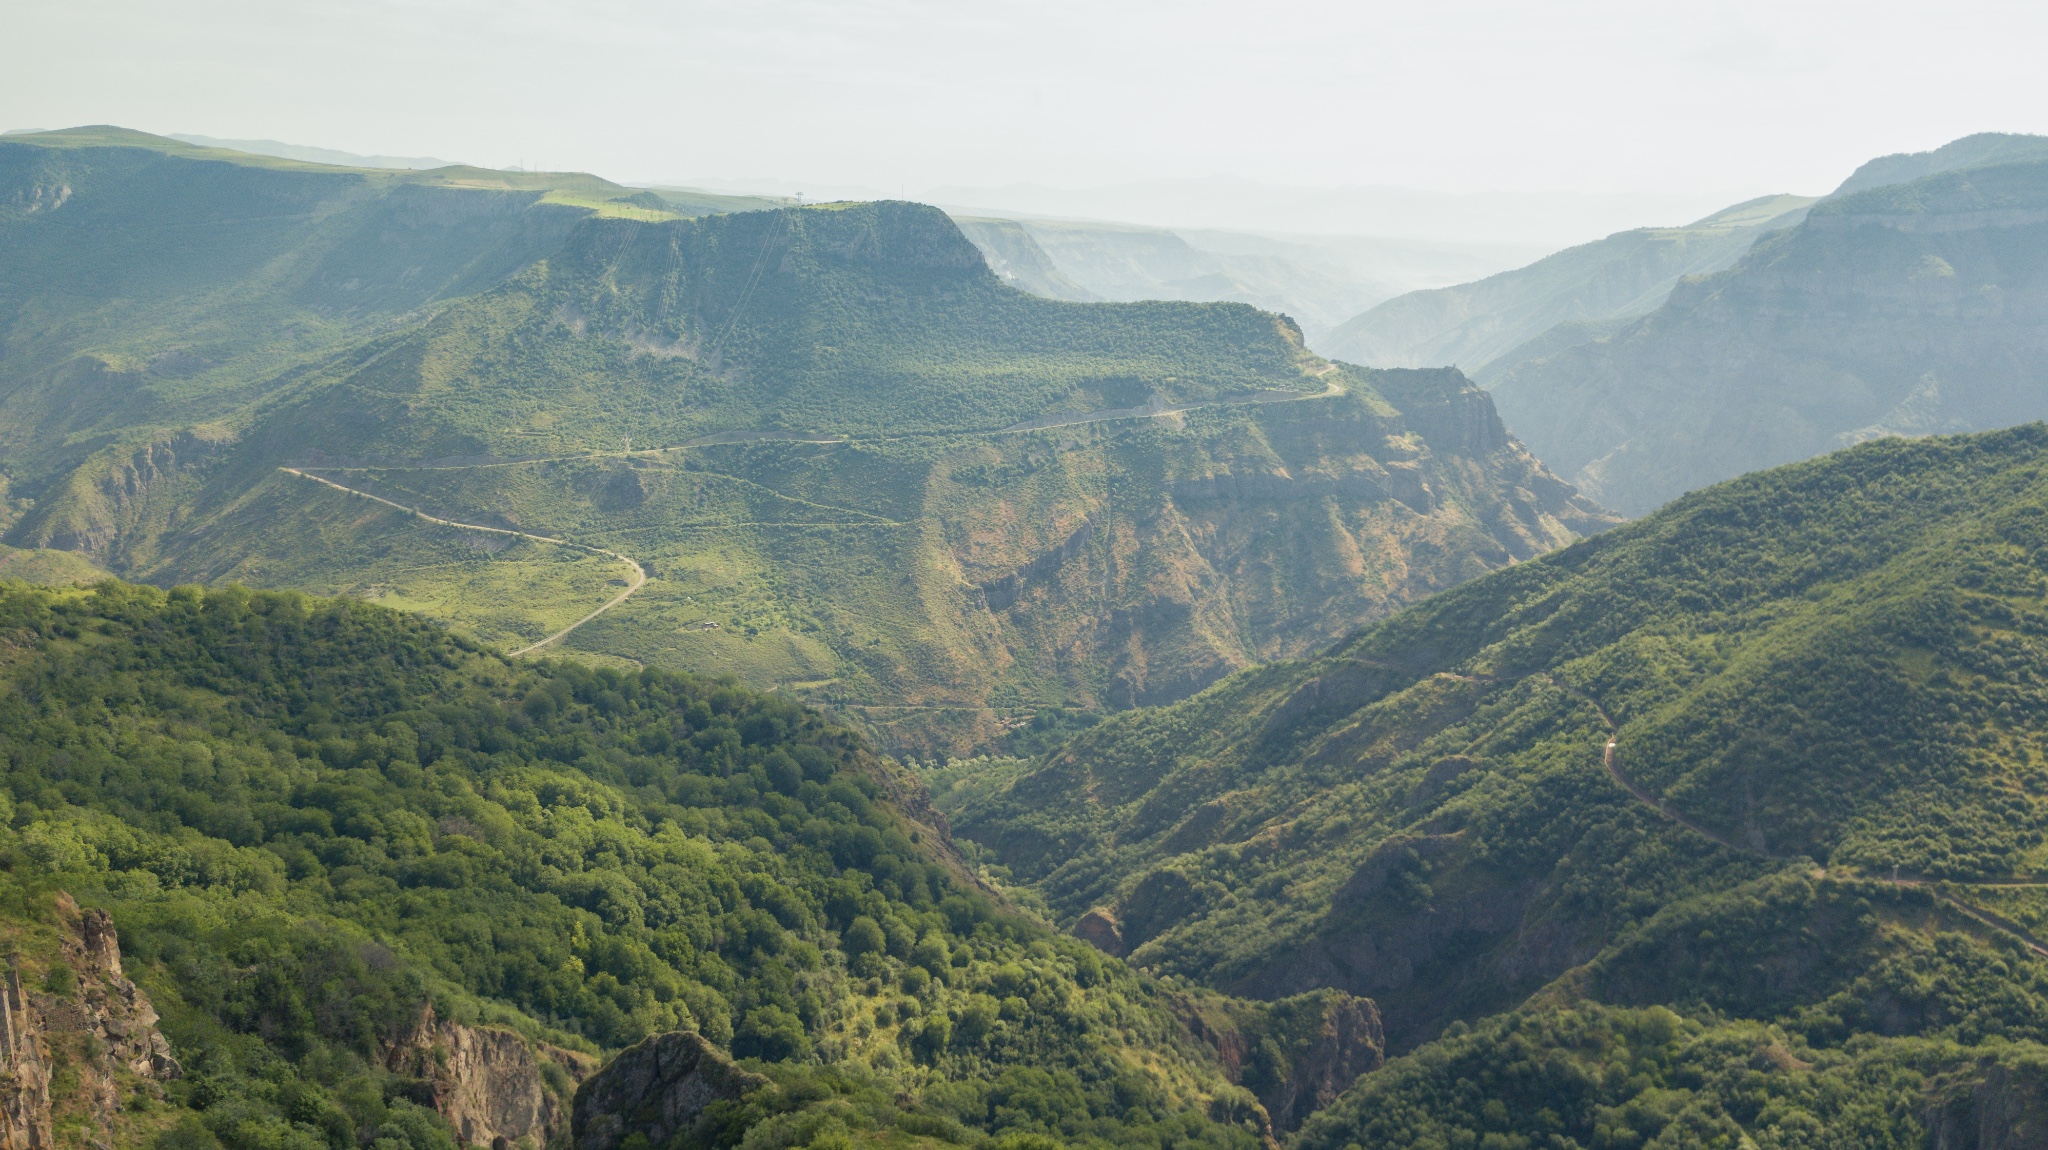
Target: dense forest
point(310, 819)
point(1819, 822)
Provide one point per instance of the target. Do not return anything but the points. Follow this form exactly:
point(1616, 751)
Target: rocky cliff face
point(2000, 1107)
point(93, 1022)
point(1344, 1042)
point(1296, 1055)
point(493, 1086)
point(658, 1089)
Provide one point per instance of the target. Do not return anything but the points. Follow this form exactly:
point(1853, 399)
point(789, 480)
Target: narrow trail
point(721, 438)
point(639, 572)
point(1642, 795)
point(1986, 918)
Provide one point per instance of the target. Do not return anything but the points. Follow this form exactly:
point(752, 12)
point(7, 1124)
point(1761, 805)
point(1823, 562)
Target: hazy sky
point(906, 94)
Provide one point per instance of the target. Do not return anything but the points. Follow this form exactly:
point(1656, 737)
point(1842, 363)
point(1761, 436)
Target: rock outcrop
point(25, 1075)
point(1295, 1055)
point(96, 1020)
point(490, 1083)
point(1344, 1042)
point(1098, 928)
point(1999, 1107)
point(659, 1088)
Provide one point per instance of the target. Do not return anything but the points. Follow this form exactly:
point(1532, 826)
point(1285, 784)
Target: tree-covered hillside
point(1771, 758)
point(861, 466)
point(310, 819)
point(147, 283)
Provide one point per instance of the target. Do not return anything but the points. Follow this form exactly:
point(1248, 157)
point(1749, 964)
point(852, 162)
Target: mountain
point(1903, 309)
point(1541, 220)
point(861, 467)
point(1727, 823)
point(1316, 280)
point(1014, 255)
point(311, 155)
point(1983, 150)
point(1124, 262)
point(1627, 274)
point(43, 566)
point(149, 282)
point(291, 873)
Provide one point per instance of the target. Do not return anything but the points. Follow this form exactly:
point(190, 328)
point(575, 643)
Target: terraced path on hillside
point(1154, 410)
point(639, 572)
point(1642, 795)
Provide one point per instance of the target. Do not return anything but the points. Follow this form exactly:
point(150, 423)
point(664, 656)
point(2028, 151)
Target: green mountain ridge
point(1982, 150)
point(1908, 308)
point(1805, 890)
point(889, 482)
point(150, 282)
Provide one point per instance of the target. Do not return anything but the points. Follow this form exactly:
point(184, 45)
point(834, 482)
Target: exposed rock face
point(1390, 934)
point(1347, 1043)
point(488, 1082)
point(25, 1079)
point(1296, 1055)
point(1098, 928)
point(104, 1025)
point(659, 1089)
point(2005, 1107)
point(130, 491)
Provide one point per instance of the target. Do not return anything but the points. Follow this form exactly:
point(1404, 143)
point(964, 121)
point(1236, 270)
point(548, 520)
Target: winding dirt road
point(639, 572)
point(1984, 917)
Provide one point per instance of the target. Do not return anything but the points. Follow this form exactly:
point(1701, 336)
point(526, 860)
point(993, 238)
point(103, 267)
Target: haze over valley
point(1193, 578)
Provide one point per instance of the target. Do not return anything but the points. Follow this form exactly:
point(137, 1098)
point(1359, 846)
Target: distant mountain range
point(1472, 325)
point(312, 155)
point(1658, 360)
point(1548, 220)
point(1316, 280)
point(1903, 308)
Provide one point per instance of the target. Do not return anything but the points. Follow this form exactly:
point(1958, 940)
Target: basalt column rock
point(107, 1004)
point(659, 1089)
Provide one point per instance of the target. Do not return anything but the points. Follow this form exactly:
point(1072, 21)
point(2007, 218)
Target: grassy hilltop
point(1776, 911)
point(861, 468)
